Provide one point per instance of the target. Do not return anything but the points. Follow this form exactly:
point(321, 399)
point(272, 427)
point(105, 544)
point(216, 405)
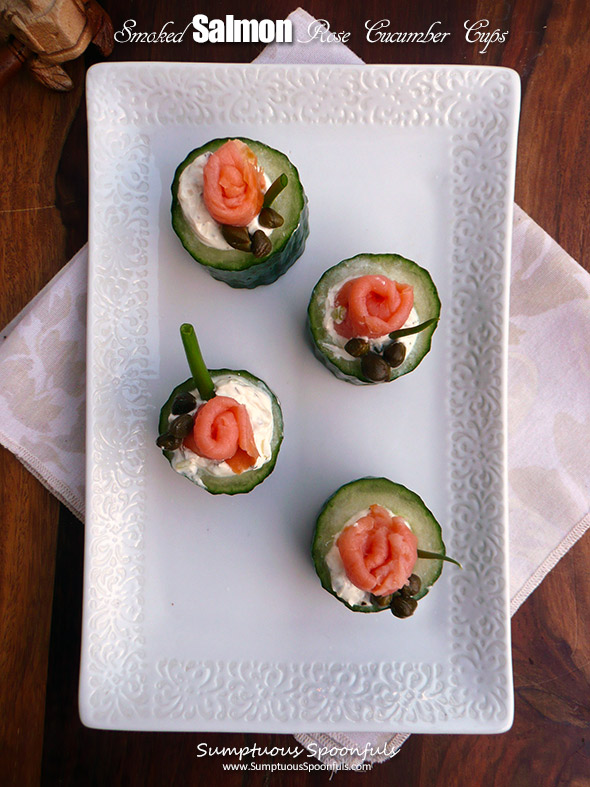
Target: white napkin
point(42, 400)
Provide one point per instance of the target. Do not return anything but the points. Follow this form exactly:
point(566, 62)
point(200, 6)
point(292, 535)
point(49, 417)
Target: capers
point(237, 237)
point(270, 219)
point(412, 587)
point(395, 354)
point(381, 601)
point(183, 403)
point(357, 347)
point(168, 442)
point(415, 584)
point(181, 426)
point(261, 245)
point(374, 368)
point(403, 607)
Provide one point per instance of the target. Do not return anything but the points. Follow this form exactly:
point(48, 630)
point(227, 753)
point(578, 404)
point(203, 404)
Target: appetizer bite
point(239, 209)
point(221, 428)
point(372, 317)
point(376, 546)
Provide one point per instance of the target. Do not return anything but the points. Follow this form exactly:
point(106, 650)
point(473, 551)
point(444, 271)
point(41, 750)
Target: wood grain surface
point(43, 215)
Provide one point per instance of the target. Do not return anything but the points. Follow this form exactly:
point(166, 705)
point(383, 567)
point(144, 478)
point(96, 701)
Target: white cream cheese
point(335, 344)
point(190, 196)
point(257, 402)
point(340, 582)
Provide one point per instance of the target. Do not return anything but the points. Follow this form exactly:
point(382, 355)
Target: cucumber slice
point(242, 482)
point(426, 304)
point(239, 268)
point(359, 495)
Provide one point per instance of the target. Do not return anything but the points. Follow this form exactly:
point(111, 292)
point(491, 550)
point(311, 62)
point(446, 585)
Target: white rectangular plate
point(204, 612)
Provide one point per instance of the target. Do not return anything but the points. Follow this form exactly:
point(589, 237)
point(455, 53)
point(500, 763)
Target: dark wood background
point(43, 221)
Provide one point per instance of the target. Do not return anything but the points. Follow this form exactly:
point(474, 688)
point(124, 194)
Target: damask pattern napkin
point(42, 399)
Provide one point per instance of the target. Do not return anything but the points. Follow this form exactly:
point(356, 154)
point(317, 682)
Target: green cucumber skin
point(370, 490)
point(242, 269)
point(350, 370)
point(246, 481)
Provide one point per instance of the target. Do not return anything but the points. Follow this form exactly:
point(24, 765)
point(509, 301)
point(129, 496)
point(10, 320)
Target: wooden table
point(43, 209)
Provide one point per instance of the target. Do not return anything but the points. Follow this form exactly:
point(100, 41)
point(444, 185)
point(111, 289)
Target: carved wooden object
point(41, 34)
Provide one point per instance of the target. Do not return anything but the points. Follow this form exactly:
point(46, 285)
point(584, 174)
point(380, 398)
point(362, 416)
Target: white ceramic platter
point(204, 612)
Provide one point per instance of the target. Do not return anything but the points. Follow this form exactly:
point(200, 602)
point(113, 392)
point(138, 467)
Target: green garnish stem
point(199, 371)
point(274, 190)
point(415, 329)
point(436, 556)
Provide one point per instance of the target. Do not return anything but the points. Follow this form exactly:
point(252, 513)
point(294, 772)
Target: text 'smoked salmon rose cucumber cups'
point(221, 428)
point(376, 546)
point(239, 209)
point(372, 317)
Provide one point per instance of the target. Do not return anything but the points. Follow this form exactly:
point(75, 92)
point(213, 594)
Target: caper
point(374, 368)
point(357, 347)
point(168, 442)
point(261, 245)
point(403, 607)
point(181, 426)
point(415, 584)
point(237, 237)
point(270, 218)
point(183, 403)
point(395, 354)
point(412, 587)
point(381, 601)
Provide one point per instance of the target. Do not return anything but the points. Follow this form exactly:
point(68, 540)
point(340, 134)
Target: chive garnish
point(199, 371)
point(435, 556)
point(274, 190)
point(409, 331)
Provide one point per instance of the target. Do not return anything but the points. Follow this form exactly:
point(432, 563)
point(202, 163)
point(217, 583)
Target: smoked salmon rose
point(233, 185)
point(378, 552)
point(223, 432)
point(374, 306)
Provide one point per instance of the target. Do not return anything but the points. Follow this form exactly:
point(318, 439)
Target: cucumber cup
point(244, 252)
point(363, 355)
point(222, 428)
point(351, 507)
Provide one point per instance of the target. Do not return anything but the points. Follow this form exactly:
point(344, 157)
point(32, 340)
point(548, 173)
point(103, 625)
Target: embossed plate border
point(119, 688)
